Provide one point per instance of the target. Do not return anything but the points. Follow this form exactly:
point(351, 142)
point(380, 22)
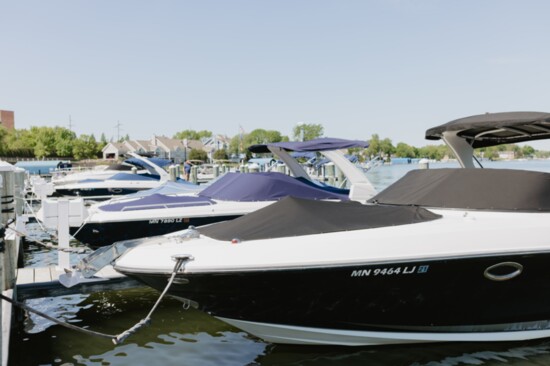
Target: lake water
point(190, 337)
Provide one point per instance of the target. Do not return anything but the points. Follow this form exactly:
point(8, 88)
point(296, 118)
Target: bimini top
point(272, 186)
point(320, 144)
point(315, 217)
point(479, 189)
point(497, 128)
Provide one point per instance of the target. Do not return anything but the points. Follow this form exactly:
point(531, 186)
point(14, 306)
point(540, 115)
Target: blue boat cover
point(321, 144)
point(168, 188)
point(156, 201)
point(264, 187)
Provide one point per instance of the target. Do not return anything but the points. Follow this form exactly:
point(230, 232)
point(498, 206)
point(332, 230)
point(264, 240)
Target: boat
point(442, 255)
point(135, 174)
point(230, 196)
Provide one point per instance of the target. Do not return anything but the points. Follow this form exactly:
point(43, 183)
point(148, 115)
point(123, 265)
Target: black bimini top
point(479, 189)
point(296, 216)
point(492, 129)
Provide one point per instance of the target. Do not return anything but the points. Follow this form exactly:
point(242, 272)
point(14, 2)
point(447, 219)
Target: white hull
point(286, 334)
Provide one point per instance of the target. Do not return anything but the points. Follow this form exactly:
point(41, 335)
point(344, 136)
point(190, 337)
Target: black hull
point(429, 296)
point(101, 234)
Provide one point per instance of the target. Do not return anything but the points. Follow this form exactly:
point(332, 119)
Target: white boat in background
point(141, 173)
point(441, 255)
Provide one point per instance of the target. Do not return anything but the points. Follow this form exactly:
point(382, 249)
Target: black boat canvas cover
point(492, 129)
point(295, 216)
point(481, 189)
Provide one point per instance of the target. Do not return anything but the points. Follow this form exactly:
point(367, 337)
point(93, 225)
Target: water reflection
point(175, 335)
point(453, 354)
point(191, 337)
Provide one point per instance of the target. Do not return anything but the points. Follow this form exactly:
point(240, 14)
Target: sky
point(390, 67)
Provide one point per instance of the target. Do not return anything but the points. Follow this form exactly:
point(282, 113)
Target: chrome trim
point(518, 268)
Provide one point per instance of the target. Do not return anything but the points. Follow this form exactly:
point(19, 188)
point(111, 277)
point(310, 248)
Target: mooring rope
point(116, 339)
point(56, 321)
point(147, 320)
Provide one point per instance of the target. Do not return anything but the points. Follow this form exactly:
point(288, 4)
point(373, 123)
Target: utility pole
point(70, 123)
point(118, 124)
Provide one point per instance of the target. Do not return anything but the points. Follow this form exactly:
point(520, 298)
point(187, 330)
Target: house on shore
point(162, 147)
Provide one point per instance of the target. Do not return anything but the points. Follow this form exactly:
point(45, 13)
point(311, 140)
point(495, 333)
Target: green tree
point(64, 141)
point(435, 152)
point(44, 141)
point(3, 143)
point(240, 143)
point(387, 147)
point(374, 146)
point(220, 154)
point(197, 154)
point(261, 136)
point(102, 142)
point(19, 143)
point(307, 131)
point(85, 147)
point(528, 150)
point(192, 134)
point(402, 150)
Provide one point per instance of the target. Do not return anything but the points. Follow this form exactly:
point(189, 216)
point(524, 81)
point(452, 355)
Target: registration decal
point(390, 271)
point(166, 221)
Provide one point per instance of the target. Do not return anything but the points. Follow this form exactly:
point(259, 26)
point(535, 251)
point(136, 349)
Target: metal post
point(329, 169)
point(64, 258)
point(194, 170)
point(8, 257)
point(216, 171)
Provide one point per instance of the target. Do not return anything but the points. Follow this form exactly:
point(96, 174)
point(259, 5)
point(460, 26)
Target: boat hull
point(98, 234)
point(489, 298)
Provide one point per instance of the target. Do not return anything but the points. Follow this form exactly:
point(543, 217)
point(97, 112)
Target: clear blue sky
point(390, 67)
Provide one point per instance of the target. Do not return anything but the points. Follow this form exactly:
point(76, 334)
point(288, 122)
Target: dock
point(40, 282)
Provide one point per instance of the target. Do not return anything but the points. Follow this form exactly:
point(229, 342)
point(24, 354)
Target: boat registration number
point(390, 271)
point(165, 221)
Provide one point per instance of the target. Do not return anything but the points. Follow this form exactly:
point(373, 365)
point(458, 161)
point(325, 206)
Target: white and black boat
point(230, 196)
point(441, 255)
point(117, 180)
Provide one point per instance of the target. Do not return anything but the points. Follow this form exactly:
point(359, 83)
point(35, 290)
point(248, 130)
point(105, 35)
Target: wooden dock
point(44, 282)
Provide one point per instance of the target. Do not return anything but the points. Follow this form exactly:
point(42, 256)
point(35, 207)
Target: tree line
point(40, 142)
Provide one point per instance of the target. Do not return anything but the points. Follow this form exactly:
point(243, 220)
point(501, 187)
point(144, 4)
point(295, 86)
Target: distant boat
point(116, 180)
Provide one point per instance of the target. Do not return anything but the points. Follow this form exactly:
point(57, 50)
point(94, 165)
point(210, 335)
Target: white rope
point(147, 320)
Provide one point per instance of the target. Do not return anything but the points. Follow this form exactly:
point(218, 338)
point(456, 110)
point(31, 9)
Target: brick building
point(7, 119)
